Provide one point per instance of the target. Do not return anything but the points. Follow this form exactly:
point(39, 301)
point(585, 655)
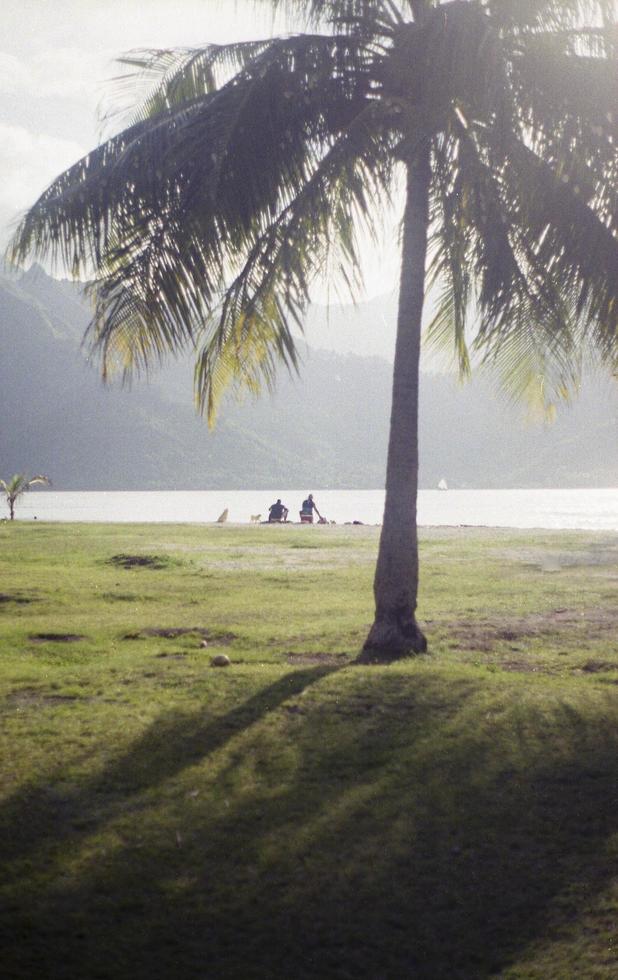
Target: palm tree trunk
point(395, 632)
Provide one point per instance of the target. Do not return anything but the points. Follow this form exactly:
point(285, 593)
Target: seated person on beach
point(307, 509)
point(277, 513)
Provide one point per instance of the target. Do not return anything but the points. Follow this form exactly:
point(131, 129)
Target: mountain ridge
point(328, 428)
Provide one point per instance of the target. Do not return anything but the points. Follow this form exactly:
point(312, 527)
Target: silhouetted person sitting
point(306, 511)
point(277, 513)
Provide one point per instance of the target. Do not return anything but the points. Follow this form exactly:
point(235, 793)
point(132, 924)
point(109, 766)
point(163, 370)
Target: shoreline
point(534, 509)
point(294, 526)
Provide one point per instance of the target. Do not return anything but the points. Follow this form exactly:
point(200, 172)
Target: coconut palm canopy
point(251, 168)
point(17, 485)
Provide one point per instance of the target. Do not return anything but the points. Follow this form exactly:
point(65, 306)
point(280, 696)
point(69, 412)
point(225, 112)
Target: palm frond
point(529, 373)
point(450, 245)
point(231, 150)
point(172, 77)
point(577, 250)
point(19, 483)
point(483, 260)
point(233, 172)
point(353, 15)
point(250, 167)
point(39, 479)
point(271, 291)
point(526, 15)
point(561, 90)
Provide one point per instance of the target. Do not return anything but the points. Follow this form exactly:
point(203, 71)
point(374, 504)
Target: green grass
point(292, 816)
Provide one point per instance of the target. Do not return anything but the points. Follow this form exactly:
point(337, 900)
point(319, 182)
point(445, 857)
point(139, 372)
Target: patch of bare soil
point(331, 659)
point(138, 561)
point(598, 666)
point(17, 597)
point(123, 597)
point(33, 695)
point(486, 635)
point(55, 637)
point(173, 632)
point(603, 553)
point(484, 638)
point(523, 667)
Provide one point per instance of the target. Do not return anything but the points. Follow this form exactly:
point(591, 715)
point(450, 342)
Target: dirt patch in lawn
point(173, 632)
point(601, 554)
point(33, 695)
point(523, 667)
point(17, 597)
point(598, 666)
point(125, 597)
point(330, 659)
point(55, 637)
point(139, 561)
point(486, 635)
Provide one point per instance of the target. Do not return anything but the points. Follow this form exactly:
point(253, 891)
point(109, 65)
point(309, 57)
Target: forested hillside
point(327, 428)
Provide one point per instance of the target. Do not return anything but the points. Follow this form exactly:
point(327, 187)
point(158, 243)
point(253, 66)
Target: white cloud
point(15, 76)
point(58, 73)
point(28, 163)
point(56, 57)
point(70, 73)
point(34, 25)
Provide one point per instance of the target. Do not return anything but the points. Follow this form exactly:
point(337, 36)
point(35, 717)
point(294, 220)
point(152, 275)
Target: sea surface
point(570, 509)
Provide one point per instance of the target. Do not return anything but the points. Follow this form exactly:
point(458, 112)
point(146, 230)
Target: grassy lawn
point(292, 816)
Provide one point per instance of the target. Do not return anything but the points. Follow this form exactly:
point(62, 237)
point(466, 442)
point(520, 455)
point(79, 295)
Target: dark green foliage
point(250, 167)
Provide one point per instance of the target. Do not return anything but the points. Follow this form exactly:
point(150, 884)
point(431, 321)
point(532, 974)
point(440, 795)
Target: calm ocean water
point(585, 509)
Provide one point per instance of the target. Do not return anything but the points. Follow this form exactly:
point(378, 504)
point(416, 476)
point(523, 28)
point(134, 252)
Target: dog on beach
point(256, 518)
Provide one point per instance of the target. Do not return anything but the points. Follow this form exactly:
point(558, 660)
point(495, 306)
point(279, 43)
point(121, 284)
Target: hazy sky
point(56, 60)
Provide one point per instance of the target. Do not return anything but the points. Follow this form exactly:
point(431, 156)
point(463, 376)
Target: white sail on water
point(442, 485)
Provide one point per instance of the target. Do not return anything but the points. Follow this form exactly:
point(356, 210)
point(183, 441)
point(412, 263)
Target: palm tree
point(17, 485)
point(250, 168)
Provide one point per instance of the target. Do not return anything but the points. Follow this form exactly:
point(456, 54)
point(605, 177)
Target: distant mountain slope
point(327, 428)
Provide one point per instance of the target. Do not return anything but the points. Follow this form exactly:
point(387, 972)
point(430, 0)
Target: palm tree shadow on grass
point(405, 844)
point(38, 817)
